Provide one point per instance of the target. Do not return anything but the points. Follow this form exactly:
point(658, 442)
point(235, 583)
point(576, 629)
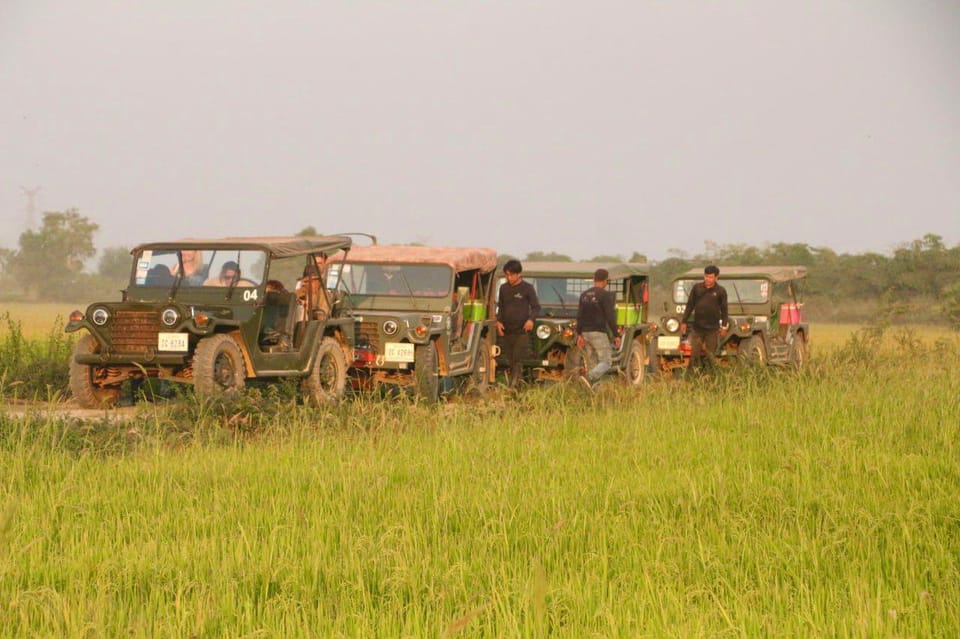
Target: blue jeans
point(601, 344)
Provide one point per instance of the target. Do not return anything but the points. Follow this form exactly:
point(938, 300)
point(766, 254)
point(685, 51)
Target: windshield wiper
point(563, 305)
point(413, 298)
point(743, 311)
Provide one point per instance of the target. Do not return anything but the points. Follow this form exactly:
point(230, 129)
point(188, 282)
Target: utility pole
point(31, 208)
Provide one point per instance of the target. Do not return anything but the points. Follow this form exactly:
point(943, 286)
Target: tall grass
point(756, 503)
point(33, 367)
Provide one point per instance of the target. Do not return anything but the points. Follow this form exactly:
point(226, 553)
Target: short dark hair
point(711, 270)
point(229, 266)
point(513, 266)
point(601, 275)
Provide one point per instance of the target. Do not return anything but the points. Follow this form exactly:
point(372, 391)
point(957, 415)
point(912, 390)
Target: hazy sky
point(581, 127)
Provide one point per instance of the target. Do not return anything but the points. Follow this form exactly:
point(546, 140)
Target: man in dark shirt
point(708, 305)
point(518, 307)
point(596, 322)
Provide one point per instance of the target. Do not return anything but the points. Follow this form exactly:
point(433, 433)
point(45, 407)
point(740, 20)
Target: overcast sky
point(580, 127)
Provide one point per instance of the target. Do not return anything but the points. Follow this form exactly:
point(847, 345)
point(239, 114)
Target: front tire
point(752, 351)
point(427, 372)
point(83, 383)
point(328, 377)
point(637, 362)
point(218, 367)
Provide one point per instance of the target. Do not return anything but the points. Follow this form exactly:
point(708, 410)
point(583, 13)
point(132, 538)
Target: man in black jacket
point(708, 305)
point(596, 322)
point(518, 307)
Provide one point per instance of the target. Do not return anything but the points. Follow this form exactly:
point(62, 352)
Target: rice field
point(762, 503)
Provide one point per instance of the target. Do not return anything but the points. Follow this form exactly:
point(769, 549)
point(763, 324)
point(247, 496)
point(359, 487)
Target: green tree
point(541, 256)
point(606, 258)
point(114, 263)
point(50, 261)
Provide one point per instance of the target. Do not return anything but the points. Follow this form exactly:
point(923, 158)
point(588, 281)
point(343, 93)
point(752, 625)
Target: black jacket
point(596, 312)
point(708, 307)
point(517, 305)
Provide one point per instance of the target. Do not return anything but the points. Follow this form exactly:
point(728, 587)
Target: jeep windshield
point(745, 291)
point(392, 280)
point(564, 291)
point(193, 268)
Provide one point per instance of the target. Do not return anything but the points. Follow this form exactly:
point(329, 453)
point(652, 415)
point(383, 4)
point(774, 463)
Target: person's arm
point(724, 316)
point(691, 303)
point(610, 311)
point(580, 315)
point(534, 303)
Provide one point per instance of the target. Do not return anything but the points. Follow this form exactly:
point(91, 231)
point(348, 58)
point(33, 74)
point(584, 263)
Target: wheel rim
point(224, 371)
point(636, 367)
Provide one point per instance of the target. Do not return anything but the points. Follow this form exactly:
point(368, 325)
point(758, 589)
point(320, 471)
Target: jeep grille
point(132, 331)
point(368, 336)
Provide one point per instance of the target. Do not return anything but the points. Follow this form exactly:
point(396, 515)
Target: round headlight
point(169, 316)
point(390, 327)
point(543, 331)
point(100, 316)
point(672, 324)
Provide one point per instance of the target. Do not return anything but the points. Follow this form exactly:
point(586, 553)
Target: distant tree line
point(919, 280)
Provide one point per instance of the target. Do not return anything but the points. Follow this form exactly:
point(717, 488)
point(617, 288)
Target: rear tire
point(798, 351)
point(427, 372)
point(637, 362)
point(328, 376)
point(218, 367)
point(83, 384)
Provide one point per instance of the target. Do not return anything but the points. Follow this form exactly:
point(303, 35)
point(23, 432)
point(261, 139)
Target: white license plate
point(395, 352)
point(668, 342)
point(176, 342)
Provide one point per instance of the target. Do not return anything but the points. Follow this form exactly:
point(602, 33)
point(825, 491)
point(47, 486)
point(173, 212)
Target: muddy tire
point(426, 372)
point(328, 376)
point(218, 367)
point(798, 353)
point(86, 390)
point(480, 379)
point(752, 352)
point(579, 360)
point(636, 369)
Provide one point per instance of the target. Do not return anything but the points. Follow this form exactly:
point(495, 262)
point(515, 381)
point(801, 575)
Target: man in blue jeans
point(596, 322)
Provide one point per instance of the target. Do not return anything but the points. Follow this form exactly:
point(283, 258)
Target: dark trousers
point(516, 349)
point(700, 339)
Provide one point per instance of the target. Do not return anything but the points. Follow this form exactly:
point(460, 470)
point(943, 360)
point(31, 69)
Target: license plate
point(668, 342)
point(176, 342)
point(395, 352)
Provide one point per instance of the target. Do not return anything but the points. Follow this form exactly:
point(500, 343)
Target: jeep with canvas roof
point(214, 313)
point(766, 317)
point(555, 355)
point(423, 316)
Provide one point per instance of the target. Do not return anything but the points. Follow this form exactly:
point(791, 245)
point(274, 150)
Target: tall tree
point(541, 256)
point(115, 263)
point(50, 260)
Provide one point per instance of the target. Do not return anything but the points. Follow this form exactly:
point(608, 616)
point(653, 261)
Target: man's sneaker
point(585, 383)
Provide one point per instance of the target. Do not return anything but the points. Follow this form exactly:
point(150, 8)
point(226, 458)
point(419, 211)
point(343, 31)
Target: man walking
point(708, 305)
point(518, 307)
point(596, 322)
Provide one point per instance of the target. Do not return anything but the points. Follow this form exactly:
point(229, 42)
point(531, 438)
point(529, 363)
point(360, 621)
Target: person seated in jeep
point(229, 273)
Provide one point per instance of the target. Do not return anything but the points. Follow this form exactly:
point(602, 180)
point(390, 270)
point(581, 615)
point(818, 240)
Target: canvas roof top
point(458, 258)
point(774, 273)
point(618, 270)
point(280, 246)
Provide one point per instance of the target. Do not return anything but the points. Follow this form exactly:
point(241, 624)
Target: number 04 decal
point(250, 294)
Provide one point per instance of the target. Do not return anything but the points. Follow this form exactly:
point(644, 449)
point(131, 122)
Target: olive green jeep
point(766, 318)
point(555, 354)
point(423, 317)
point(214, 313)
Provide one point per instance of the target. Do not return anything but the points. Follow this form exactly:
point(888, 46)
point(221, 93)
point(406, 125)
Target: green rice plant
point(33, 368)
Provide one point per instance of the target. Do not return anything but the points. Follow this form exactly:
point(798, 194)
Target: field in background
point(759, 503)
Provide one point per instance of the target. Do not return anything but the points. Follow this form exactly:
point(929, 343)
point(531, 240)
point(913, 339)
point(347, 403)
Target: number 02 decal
point(250, 294)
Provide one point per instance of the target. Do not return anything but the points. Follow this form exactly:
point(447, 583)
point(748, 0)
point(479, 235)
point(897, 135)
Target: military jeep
point(555, 354)
point(423, 317)
point(766, 318)
point(214, 313)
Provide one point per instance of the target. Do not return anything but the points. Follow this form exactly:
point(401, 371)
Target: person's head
point(192, 260)
point(710, 275)
point(229, 271)
point(600, 277)
point(512, 270)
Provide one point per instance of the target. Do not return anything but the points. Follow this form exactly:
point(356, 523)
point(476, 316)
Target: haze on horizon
point(581, 128)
